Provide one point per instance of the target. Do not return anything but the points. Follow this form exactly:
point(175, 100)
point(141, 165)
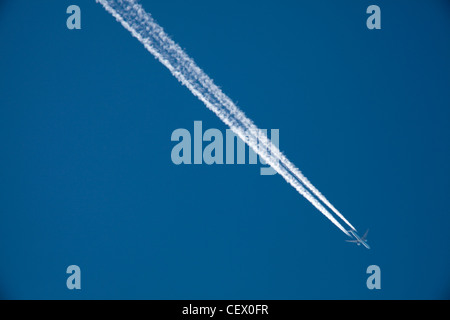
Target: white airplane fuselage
point(360, 241)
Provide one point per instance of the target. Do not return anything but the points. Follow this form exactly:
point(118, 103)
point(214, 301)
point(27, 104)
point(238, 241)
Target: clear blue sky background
point(86, 175)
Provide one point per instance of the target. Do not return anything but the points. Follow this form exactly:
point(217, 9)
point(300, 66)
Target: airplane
point(359, 240)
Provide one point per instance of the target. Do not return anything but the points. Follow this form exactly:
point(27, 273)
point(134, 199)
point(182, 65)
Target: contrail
point(143, 27)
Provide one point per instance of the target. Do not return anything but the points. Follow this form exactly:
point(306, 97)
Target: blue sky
point(86, 118)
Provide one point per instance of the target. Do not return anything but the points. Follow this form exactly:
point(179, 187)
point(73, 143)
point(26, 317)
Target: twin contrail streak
point(143, 27)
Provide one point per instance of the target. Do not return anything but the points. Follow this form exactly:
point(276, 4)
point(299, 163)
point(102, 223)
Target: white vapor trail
point(143, 27)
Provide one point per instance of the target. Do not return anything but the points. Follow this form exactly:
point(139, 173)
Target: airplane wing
point(352, 241)
point(364, 237)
